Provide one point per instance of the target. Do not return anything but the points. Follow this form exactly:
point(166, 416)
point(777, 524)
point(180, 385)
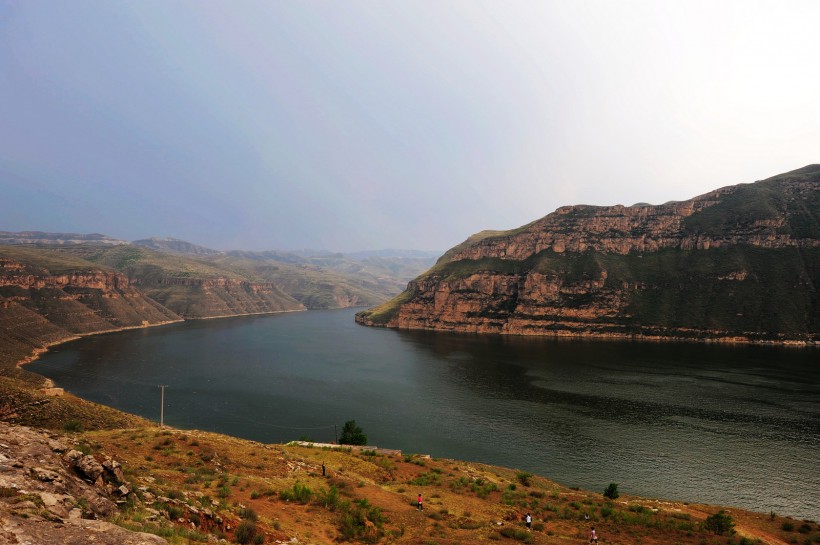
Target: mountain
point(39, 237)
point(191, 285)
point(48, 297)
point(198, 282)
point(55, 286)
point(174, 245)
point(739, 263)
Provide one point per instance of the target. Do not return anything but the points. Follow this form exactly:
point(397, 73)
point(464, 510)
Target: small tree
point(352, 434)
point(720, 523)
point(611, 491)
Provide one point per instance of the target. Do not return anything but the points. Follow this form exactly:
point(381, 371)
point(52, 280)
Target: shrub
point(354, 518)
point(245, 532)
point(720, 523)
point(611, 491)
point(329, 498)
point(787, 526)
point(523, 477)
point(73, 426)
point(175, 512)
point(299, 493)
point(247, 514)
point(517, 533)
point(174, 494)
point(425, 479)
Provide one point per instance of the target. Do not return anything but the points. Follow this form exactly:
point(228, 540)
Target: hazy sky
point(350, 125)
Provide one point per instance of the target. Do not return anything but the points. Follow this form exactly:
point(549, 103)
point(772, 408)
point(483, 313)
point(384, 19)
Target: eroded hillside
point(740, 263)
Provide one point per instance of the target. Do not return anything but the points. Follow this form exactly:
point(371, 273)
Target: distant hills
point(741, 263)
point(55, 286)
point(40, 237)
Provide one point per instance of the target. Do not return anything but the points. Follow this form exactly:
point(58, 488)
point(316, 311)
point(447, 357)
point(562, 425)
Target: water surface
point(729, 425)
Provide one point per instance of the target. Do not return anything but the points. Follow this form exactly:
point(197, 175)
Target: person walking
point(593, 537)
point(528, 521)
point(419, 505)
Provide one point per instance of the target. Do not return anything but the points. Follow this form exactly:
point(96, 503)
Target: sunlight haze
point(358, 125)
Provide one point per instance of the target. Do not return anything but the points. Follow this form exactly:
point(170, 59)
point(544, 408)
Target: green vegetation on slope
point(761, 202)
point(383, 313)
point(739, 289)
point(151, 265)
point(45, 260)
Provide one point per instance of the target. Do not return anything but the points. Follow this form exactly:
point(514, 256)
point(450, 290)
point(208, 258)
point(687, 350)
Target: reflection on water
point(730, 425)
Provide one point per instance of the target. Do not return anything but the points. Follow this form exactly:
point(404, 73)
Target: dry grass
point(192, 484)
point(464, 502)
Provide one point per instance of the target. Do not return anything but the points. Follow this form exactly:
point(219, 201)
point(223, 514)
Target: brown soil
point(239, 474)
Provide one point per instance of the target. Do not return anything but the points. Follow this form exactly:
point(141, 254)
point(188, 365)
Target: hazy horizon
point(362, 126)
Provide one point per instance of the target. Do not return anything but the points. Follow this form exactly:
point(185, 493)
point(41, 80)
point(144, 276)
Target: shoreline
point(38, 352)
point(617, 337)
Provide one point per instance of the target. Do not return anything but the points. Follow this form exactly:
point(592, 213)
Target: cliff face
point(738, 263)
point(213, 297)
point(38, 309)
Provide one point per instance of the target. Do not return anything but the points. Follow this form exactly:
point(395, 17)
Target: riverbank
point(189, 484)
point(665, 416)
point(192, 486)
point(558, 334)
point(37, 352)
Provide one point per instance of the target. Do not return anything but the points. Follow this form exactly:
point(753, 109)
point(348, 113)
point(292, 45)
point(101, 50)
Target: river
point(731, 425)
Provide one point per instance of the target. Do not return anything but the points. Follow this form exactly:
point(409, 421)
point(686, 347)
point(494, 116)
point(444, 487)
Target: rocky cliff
point(739, 263)
point(40, 307)
point(217, 297)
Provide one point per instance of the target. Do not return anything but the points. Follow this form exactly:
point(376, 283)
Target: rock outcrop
point(217, 297)
point(740, 263)
point(50, 493)
point(39, 308)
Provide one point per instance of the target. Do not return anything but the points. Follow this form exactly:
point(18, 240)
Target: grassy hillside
point(192, 487)
point(39, 260)
point(316, 280)
point(764, 201)
point(279, 492)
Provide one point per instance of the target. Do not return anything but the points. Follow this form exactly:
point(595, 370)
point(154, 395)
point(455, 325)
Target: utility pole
point(162, 406)
point(335, 434)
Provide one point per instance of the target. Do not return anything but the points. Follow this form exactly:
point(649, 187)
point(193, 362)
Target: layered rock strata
point(39, 309)
point(217, 297)
point(740, 263)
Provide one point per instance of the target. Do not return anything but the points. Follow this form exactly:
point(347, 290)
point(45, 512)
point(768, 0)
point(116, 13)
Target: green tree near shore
point(611, 491)
point(352, 434)
point(720, 523)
